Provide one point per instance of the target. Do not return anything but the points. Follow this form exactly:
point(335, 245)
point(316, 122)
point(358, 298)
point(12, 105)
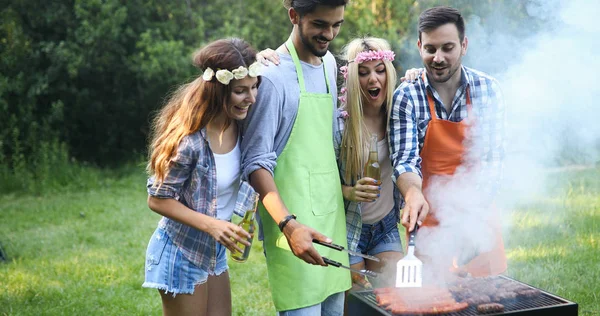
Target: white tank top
point(228, 181)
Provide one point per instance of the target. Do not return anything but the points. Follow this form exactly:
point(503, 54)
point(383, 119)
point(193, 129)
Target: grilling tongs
point(364, 272)
point(341, 248)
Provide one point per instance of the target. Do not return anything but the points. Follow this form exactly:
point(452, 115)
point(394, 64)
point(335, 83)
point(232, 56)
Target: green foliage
point(80, 80)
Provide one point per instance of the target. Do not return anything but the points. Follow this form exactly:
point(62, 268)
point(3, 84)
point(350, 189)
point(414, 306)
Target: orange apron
point(442, 153)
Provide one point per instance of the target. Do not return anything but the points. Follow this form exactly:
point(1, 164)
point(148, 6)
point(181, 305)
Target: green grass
point(82, 253)
point(554, 243)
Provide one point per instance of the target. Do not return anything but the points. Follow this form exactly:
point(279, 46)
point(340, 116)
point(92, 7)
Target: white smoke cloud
point(549, 79)
point(552, 99)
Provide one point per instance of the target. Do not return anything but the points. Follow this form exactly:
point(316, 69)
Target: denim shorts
point(168, 270)
point(379, 237)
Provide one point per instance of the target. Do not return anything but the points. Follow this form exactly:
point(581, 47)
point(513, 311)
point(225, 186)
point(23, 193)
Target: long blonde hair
point(356, 134)
point(193, 105)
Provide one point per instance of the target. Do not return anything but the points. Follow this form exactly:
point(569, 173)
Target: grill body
point(363, 303)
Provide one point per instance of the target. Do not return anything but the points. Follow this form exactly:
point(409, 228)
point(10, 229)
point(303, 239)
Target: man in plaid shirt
point(447, 124)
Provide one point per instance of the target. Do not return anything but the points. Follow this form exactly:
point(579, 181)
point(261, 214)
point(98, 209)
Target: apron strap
point(431, 102)
point(292, 49)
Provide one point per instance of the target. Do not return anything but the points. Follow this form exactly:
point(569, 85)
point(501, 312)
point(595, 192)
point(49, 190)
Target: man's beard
point(451, 72)
point(309, 46)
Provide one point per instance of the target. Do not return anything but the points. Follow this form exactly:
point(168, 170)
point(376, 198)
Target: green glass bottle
point(247, 224)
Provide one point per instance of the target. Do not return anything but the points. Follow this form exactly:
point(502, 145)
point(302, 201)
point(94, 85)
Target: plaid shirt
point(410, 118)
point(192, 180)
point(353, 209)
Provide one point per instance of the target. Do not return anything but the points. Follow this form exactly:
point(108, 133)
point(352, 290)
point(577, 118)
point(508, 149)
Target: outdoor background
point(80, 81)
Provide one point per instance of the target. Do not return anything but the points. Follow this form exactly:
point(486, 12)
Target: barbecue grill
point(363, 303)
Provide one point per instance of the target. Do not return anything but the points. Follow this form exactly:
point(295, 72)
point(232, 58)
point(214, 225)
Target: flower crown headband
point(224, 76)
point(373, 55)
point(361, 58)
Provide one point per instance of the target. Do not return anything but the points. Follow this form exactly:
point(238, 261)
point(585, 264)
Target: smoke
point(551, 98)
point(548, 73)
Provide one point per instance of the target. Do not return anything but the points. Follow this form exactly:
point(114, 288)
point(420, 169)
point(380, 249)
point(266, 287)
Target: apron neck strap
point(431, 102)
point(292, 49)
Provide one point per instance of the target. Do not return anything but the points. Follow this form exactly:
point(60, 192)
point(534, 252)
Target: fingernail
point(375, 181)
point(379, 188)
point(328, 240)
point(378, 195)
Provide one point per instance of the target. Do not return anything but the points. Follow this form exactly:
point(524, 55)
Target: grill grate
point(545, 304)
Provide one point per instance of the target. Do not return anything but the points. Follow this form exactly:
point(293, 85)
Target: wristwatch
point(285, 220)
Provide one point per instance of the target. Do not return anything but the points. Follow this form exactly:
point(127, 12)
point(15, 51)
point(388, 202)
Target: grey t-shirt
point(270, 120)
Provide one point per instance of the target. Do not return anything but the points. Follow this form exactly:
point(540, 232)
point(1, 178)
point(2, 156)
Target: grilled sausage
point(447, 307)
point(425, 300)
point(490, 308)
point(529, 293)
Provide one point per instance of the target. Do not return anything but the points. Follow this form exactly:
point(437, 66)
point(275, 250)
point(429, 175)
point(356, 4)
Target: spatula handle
point(412, 235)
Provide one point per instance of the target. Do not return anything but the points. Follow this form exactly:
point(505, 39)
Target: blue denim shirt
point(192, 180)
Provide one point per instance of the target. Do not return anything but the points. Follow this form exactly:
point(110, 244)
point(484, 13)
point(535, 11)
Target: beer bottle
point(247, 224)
point(372, 169)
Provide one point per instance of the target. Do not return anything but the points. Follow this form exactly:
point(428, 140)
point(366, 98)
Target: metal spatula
point(408, 269)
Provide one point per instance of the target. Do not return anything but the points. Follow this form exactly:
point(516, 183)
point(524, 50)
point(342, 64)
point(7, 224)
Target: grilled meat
point(529, 293)
point(478, 299)
point(475, 290)
point(503, 295)
point(426, 300)
point(490, 308)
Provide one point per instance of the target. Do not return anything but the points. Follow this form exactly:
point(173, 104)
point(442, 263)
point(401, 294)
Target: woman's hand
point(365, 190)
point(267, 55)
point(228, 234)
point(411, 75)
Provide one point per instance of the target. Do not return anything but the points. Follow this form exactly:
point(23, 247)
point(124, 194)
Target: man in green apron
point(288, 155)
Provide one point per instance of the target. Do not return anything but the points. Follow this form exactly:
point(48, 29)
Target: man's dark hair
point(435, 17)
point(304, 7)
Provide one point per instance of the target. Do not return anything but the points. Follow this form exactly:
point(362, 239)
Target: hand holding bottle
point(229, 234)
point(365, 190)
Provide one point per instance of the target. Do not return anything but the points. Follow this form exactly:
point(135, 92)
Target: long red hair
point(193, 105)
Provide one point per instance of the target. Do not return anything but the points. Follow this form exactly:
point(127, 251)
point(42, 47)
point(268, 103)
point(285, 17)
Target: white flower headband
point(224, 76)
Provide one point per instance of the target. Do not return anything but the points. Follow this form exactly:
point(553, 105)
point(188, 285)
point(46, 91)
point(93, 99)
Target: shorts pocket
point(156, 247)
point(323, 196)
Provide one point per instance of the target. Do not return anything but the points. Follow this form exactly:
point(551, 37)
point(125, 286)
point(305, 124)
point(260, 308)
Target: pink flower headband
point(373, 55)
point(361, 58)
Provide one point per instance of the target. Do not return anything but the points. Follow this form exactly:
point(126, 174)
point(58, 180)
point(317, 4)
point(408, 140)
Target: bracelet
point(285, 220)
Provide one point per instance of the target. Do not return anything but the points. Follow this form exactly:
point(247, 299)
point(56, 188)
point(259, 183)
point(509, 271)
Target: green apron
point(308, 181)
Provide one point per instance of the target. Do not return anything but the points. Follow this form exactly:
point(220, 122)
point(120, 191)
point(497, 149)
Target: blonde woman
point(371, 215)
point(195, 181)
